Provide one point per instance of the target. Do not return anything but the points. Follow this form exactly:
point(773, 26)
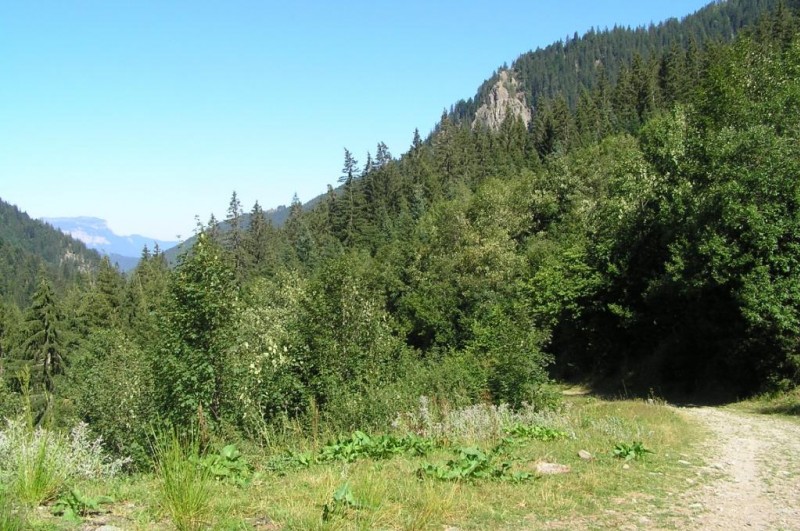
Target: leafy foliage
point(360, 445)
point(474, 464)
point(630, 451)
point(197, 332)
point(641, 230)
point(227, 464)
point(341, 501)
point(536, 432)
point(74, 505)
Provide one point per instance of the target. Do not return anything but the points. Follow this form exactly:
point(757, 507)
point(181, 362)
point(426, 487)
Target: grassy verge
point(780, 403)
point(385, 488)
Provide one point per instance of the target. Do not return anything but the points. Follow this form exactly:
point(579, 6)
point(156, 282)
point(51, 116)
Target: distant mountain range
point(96, 234)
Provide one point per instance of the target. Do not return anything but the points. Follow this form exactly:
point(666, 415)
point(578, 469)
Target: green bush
point(114, 390)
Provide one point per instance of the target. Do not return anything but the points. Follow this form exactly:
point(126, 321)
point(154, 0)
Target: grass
point(779, 403)
point(184, 488)
point(389, 494)
point(39, 477)
point(10, 520)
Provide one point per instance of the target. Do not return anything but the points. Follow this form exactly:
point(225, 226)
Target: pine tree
point(43, 344)
point(368, 166)
point(587, 119)
point(234, 236)
point(383, 156)
point(644, 88)
point(416, 142)
point(105, 300)
point(3, 332)
point(348, 213)
point(146, 295)
point(672, 77)
point(211, 229)
point(298, 234)
point(255, 238)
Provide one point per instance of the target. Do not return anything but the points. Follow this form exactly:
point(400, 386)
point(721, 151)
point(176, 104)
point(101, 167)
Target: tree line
point(646, 235)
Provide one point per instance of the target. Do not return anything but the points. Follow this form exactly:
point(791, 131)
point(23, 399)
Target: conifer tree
point(106, 298)
point(383, 156)
point(43, 344)
point(348, 213)
point(234, 237)
point(298, 234)
point(368, 166)
point(416, 142)
point(255, 237)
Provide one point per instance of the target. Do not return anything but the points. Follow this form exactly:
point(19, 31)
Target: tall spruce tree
point(43, 344)
point(350, 172)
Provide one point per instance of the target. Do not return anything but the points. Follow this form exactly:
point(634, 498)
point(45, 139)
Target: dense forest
point(641, 231)
point(28, 246)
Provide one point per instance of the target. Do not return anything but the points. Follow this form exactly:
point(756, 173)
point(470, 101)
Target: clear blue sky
point(149, 112)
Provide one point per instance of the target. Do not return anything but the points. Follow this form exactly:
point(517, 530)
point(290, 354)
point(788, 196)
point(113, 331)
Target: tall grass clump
point(185, 488)
point(41, 471)
point(436, 419)
point(37, 463)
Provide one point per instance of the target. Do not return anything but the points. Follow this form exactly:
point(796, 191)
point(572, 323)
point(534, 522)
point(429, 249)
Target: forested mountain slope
point(26, 245)
point(600, 56)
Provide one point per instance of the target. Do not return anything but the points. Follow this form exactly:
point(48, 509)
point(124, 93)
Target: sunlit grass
point(184, 489)
point(389, 494)
point(780, 403)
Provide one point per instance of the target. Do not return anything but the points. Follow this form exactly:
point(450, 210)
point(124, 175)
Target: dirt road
point(755, 464)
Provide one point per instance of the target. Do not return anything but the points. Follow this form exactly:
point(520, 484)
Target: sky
point(150, 113)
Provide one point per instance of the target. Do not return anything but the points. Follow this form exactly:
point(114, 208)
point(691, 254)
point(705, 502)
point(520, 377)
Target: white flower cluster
point(473, 423)
point(73, 456)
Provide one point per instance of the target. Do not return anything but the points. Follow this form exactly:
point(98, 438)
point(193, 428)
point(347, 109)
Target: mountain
point(568, 67)
point(96, 234)
point(28, 245)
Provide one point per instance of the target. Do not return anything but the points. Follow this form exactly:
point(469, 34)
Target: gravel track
point(755, 462)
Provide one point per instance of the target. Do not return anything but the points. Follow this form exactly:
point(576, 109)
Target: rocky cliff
point(503, 99)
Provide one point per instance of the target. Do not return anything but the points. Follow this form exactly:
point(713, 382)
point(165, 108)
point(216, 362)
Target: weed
point(479, 422)
point(39, 474)
point(341, 501)
point(36, 463)
point(227, 464)
point(9, 519)
point(632, 451)
point(535, 431)
point(87, 457)
point(74, 505)
point(473, 464)
point(289, 460)
point(361, 445)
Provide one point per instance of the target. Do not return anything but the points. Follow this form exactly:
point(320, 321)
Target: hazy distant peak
point(89, 239)
point(84, 221)
point(96, 234)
